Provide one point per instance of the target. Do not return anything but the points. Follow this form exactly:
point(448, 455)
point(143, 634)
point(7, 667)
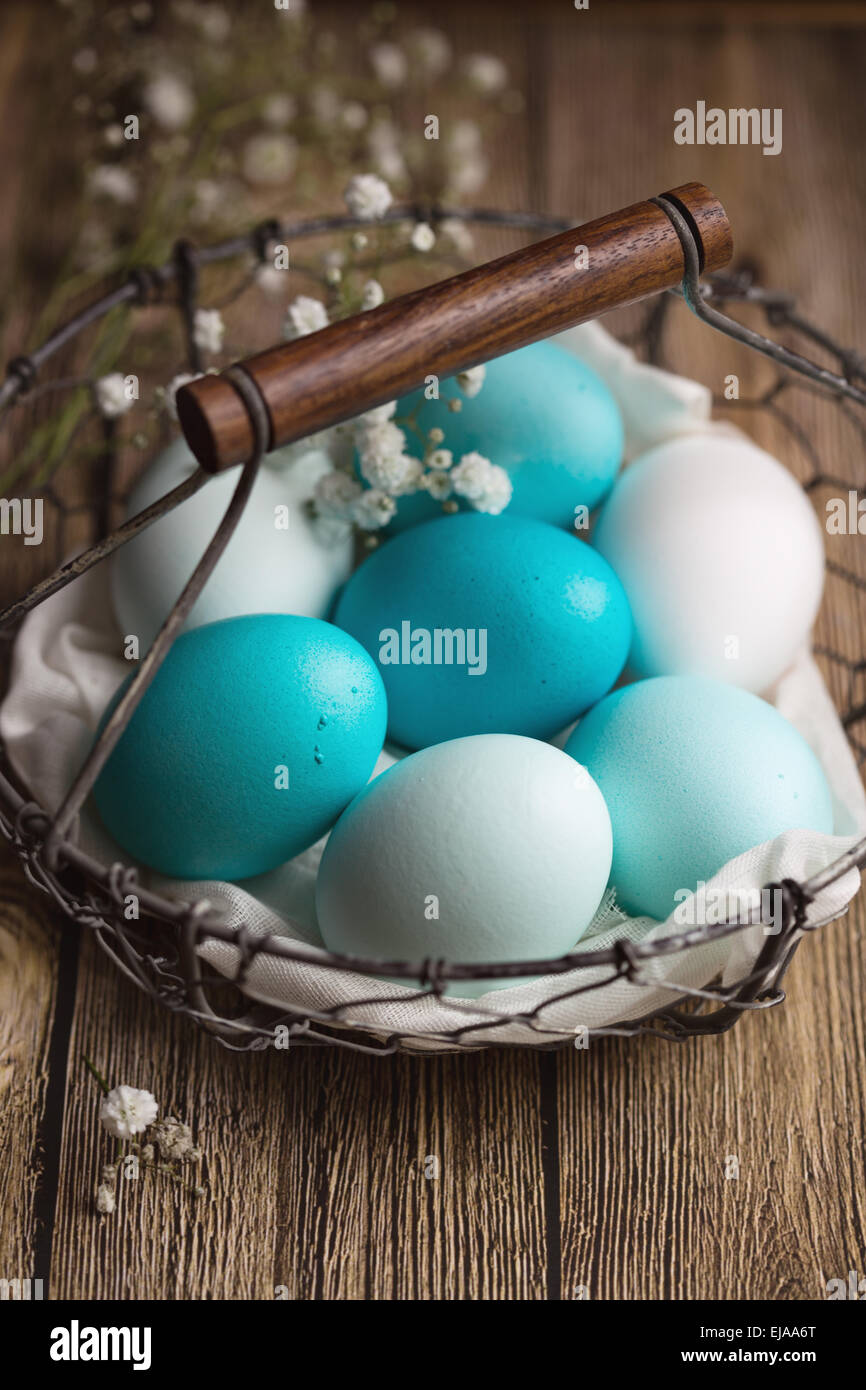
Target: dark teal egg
point(544, 417)
point(487, 624)
point(254, 736)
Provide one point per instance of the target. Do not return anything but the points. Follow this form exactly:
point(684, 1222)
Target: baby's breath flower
point(114, 182)
point(471, 381)
point(84, 61)
point(105, 1199)
point(372, 295)
point(383, 141)
point(483, 484)
point(126, 1111)
point(378, 415)
point(367, 197)
point(389, 63)
point(113, 136)
point(430, 50)
point(486, 72)
point(325, 104)
point(464, 137)
point(380, 439)
point(271, 280)
point(457, 232)
point(173, 1139)
point(208, 195)
point(269, 157)
point(399, 476)
point(171, 390)
point(373, 510)
point(435, 435)
point(440, 459)
point(278, 110)
point(333, 275)
point(214, 22)
point(438, 485)
point(354, 115)
point(208, 330)
point(469, 174)
point(305, 315)
point(169, 100)
point(111, 397)
point(423, 237)
point(335, 494)
point(359, 241)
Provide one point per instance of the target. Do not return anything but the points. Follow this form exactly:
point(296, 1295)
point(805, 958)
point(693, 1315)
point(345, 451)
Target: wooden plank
point(646, 1130)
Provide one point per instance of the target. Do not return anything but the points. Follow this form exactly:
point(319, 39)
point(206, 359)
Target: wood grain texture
point(601, 1170)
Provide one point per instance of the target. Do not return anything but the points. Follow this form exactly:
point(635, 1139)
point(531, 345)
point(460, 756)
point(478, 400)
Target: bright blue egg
point(487, 624)
point(253, 737)
point(544, 417)
point(694, 772)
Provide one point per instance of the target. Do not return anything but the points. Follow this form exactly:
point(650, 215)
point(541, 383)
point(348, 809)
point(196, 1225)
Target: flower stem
point(98, 1077)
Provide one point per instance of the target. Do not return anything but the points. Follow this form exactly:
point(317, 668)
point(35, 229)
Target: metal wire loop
point(696, 296)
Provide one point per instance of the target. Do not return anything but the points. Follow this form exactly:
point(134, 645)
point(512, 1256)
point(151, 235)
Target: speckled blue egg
point(255, 734)
point(694, 772)
point(487, 624)
point(545, 417)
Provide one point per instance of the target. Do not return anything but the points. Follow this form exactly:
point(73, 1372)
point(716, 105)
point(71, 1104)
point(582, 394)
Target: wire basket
point(159, 950)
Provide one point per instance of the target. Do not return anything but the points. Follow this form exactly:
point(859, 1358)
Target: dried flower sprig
point(144, 1143)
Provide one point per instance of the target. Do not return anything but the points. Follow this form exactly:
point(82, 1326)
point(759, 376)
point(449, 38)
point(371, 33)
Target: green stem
point(98, 1077)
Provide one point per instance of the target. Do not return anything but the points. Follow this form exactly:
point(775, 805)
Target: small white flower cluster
point(127, 1112)
point(390, 472)
point(208, 330)
point(304, 315)
point(112, 398)
point(367, 197)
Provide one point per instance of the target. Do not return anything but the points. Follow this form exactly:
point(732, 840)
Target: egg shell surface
point(490, 848)
point(543, 416)
point(195, 787)
point(265, 568)
point(543, 620)
point(694, 772)
point(720, 553)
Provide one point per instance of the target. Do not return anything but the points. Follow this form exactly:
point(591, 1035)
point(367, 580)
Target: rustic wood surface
point(603, 1170)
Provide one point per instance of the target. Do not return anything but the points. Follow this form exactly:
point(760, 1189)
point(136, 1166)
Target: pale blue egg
point(253, 737)
point(544, 417)
point(487, 624)
point(482, 849)
point(694, 772)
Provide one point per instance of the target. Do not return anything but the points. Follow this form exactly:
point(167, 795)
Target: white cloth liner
point(66, 667)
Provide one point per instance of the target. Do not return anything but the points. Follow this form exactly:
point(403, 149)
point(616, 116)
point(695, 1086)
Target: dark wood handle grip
point(376, 356)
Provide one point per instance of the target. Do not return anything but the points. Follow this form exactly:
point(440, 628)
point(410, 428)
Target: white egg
point(720, 553)
point(488, 848)
point(267, 567)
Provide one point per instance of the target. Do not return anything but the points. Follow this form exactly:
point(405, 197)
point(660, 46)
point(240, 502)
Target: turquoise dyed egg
point(545, 418)
point(487, 624)
point(694, 772)
point(253, 737)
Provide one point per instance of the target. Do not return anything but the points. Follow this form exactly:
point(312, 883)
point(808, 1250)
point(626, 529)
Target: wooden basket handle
point(364, 361)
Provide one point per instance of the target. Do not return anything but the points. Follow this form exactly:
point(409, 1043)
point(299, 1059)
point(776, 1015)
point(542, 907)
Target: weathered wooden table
point(603, 1169)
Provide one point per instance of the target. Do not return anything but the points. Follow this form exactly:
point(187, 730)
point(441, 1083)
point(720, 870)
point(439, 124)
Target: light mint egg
point(694, 772)
point(544, 417)
point(253, 737)
point(493, 848)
